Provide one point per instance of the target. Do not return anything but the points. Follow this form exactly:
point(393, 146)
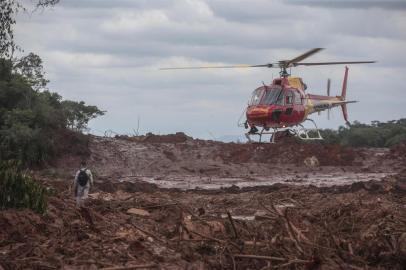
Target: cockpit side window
point(298, 98)
point(257, 96)
point(289, 97)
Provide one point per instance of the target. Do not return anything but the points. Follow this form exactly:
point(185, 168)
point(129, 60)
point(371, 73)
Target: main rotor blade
point(332, 63)
point(301, 57)
point(208, 67)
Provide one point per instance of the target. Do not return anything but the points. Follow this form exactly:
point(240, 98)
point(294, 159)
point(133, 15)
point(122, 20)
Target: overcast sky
point(108, 53)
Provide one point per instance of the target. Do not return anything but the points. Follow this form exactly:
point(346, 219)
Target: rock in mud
point(400, 184)
point(311, 162)
point(138, 212)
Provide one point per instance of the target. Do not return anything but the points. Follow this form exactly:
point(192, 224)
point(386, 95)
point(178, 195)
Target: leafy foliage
point(78, 114)
point(19, 190)
point(8, 12)
point(8, 8)
point(30, 68)
point(30, 119)
point(377, 134)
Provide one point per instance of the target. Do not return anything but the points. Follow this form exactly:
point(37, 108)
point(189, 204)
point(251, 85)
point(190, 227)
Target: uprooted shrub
point(19, 190)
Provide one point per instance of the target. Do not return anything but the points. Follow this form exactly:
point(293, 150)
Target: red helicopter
point(281, 108)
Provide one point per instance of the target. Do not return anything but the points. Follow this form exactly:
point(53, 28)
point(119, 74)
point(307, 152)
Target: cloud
point(133, 22)
point(109, 53)
point(352, 4)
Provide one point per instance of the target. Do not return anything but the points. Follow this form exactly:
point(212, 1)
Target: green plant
point(19, 190)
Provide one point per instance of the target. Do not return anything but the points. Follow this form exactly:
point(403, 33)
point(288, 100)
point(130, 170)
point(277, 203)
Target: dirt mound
point(236, 153)
point(67, 142)
point(178, 137)
point(69, 148)
point(176, 155)
point(398, 151)
point(288, 153)
point(110, 186)
point(331, 155)
point(17, 224)
point(400, 183)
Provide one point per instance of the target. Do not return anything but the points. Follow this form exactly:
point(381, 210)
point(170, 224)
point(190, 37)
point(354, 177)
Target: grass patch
point(19, 190)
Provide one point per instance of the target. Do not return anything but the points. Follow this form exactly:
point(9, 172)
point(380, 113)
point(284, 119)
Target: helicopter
point(281, 108)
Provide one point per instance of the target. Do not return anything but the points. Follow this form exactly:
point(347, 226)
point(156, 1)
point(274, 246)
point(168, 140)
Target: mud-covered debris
point(311, 162)
point(261, 215)
point(179, 137)
point(402, 244)
point(138, 212)
point(357, 227)
point(130, 221)
point(130, 158)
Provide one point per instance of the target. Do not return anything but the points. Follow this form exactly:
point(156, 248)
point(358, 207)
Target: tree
point(31, 69)
point(31, 120)
point(8, 12)
point(8, 9)
point(78, 114)
point(5, 70)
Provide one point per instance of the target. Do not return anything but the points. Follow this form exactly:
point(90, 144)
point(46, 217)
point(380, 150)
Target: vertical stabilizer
point(344, 89)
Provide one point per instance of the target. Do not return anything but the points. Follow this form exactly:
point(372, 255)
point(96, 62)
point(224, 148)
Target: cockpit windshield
point(266, 96)
point(272, 96)
point(256, 96)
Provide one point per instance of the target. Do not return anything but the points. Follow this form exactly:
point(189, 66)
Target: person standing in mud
point(82, 183)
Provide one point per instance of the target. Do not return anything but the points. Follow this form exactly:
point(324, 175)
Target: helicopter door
point(298, 107)
point(288, 108)
point(289, 102)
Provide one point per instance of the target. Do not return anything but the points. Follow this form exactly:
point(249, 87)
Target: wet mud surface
point(178, 203)
point(187, 164)
point(316, 179)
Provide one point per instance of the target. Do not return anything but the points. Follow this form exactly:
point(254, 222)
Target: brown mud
point(287, 221)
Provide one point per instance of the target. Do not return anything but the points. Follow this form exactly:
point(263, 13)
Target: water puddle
point(317, 179)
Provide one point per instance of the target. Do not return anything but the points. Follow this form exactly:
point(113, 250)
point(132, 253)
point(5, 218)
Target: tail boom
point(317, 103)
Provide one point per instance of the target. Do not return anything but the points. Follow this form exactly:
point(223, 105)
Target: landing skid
point(306, 134)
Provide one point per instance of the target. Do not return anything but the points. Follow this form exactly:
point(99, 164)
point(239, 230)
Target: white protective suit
point(81, 192)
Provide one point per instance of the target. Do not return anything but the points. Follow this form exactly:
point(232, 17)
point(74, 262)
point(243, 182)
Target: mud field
point(171, 202)
point(178, 161)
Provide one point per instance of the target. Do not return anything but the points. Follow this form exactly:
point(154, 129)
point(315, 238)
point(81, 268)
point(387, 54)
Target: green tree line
point(376, 134)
